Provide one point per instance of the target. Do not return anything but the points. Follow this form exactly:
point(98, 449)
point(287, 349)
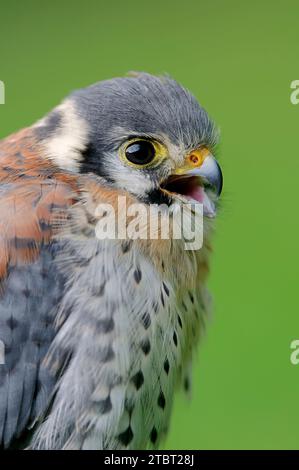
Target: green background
point(239, 59)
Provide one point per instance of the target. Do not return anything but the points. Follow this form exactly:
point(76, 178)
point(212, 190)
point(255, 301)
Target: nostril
point(194, 159)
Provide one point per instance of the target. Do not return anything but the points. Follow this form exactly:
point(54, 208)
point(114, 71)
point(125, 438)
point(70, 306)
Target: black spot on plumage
point(146, 346)
point(105, 326)
point(191, 297)
point(161, 400)
point(126, 436)
point(154, 435)
point(166, 366)
point(105, 405)
point(137, 275)
point(155, 307)
point(12, 323)
point(180, 321)
point(138, 380)
point(166, 289)
point(24, 176)
point(175, 338)
point(162, 299)
point(163, 267)
point(126, 246)
point(146, 320)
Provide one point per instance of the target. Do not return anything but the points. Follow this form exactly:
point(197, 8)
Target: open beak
point(199, 179)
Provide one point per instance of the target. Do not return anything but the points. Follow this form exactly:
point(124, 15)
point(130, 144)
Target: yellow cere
point(193, 160)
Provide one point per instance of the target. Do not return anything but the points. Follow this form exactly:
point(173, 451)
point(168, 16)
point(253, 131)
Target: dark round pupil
point(140, 152)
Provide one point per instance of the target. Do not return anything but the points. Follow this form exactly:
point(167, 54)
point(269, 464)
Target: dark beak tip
point(220, 180)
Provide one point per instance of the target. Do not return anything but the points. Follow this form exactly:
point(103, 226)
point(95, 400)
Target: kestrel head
point(143, 134)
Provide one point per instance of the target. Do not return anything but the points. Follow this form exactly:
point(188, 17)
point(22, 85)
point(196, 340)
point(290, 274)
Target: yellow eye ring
point(141, 152)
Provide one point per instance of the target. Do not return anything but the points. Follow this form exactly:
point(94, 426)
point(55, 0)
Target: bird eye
point(140, 152)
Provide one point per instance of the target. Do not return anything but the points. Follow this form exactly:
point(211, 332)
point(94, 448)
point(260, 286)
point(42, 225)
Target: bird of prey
point(98, 333)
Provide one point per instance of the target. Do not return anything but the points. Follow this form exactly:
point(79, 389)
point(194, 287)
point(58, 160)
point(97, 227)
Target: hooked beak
point(199, 179)
point(211, 174)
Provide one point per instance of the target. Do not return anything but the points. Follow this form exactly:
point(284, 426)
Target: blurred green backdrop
point(239, 59)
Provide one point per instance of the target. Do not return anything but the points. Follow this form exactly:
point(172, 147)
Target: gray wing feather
point(28, 308)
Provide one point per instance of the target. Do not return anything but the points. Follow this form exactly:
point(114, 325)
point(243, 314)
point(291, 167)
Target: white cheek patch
point(128, 178)
point(66, 145)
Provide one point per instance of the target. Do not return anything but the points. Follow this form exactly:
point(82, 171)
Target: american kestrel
point(97, 333)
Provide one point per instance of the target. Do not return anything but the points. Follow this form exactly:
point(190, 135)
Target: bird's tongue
point(186, 186)
point(197, 193)
point(190, 188)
